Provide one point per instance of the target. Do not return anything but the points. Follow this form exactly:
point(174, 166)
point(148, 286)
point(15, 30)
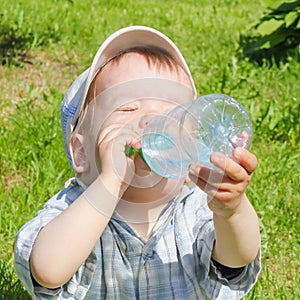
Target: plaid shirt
point(175, 263)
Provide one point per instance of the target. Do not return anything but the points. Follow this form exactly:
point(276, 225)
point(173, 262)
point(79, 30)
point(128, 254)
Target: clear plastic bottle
point(192, 131)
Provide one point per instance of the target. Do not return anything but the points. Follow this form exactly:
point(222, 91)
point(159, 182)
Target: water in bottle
point(192, 131)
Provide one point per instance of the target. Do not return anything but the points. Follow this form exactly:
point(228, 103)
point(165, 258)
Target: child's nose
point(144, 120)
point(151, 109)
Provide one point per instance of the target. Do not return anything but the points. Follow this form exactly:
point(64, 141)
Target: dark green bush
point(277, 34)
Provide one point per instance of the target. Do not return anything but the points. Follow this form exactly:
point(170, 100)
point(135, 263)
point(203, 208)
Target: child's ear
point(78, 154)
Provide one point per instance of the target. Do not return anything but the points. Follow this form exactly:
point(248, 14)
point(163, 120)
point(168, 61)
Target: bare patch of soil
point(41, 71)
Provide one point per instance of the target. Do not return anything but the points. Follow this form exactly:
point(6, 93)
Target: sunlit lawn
point(50, 42)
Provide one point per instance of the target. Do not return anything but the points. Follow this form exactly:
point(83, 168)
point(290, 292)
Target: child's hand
point(225, 189)
point(114, 164)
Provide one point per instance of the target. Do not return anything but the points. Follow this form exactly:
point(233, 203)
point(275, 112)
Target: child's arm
point(236, 223)
point(66, 242)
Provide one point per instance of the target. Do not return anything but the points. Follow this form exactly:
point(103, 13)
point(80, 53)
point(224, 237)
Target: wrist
point(103, 196)
point(229, 209)
point(113, 183)
point(237, 216)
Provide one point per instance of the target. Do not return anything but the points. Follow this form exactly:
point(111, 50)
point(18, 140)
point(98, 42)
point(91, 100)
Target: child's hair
point(154, 56)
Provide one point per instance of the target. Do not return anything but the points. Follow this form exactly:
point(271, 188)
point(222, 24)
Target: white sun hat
point(128, 37)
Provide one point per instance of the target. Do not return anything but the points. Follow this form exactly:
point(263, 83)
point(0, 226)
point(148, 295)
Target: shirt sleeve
point(216, 284)
point(238, 286)
point(26, 236)
point(227, 272)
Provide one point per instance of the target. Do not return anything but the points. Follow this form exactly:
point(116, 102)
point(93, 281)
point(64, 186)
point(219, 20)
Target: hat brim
point(129, 37)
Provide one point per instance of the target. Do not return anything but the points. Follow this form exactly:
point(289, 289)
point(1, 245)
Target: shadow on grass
point(10, 287)
point(14, 46)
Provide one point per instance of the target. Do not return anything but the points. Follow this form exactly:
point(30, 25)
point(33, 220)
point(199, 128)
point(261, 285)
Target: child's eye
point(128, 108)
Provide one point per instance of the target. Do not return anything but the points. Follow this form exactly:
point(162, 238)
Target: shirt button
point(151, 254)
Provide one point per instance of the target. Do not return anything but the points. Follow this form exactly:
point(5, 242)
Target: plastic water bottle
point(192, 131)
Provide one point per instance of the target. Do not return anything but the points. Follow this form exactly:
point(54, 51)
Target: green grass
point(45, 44)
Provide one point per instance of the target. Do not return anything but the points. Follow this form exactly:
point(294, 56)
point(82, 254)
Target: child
point(120, 231)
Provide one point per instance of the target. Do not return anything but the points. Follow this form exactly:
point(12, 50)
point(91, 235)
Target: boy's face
point(134, 114)
point(137, 113)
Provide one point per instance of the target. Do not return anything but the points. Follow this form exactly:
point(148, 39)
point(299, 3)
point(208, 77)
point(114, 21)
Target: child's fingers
point(238, 170)
point(217, 184)
point(210, 189)
point(214, 187)
point(231, 168)
point(216, 179)
point(209, 180)
point(246, 159)
point(231, 180)
point(213, 177)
